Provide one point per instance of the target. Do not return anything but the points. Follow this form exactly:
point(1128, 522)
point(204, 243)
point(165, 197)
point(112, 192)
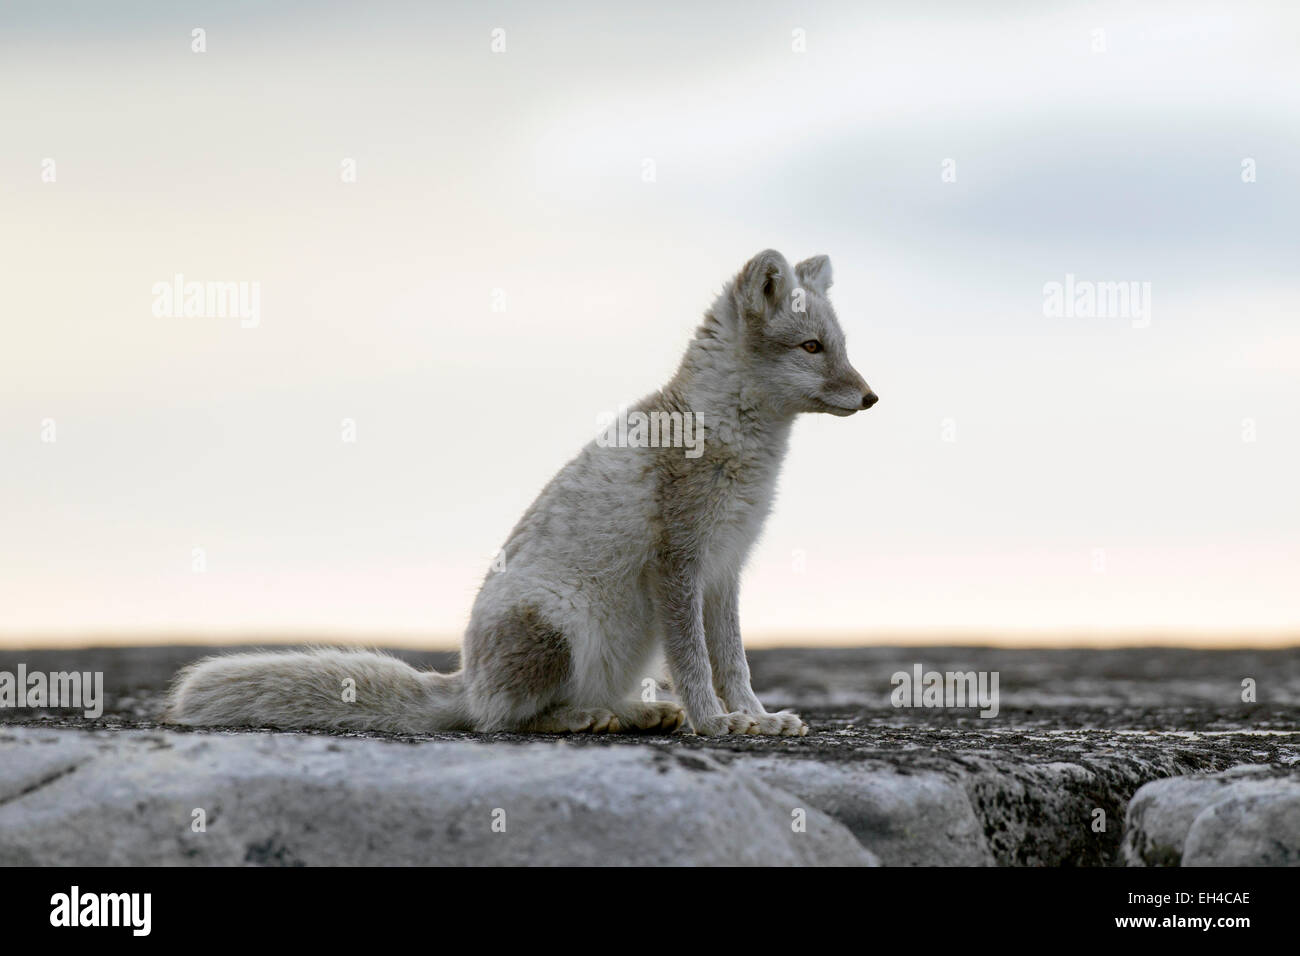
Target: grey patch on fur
point(531, 657)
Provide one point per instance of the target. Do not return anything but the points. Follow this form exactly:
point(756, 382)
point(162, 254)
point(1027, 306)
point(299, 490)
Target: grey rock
point(1244, 816)
point(43, 758)
point(907, 818)
point(1045, 783)
point(1259, 829)
point(129, 798)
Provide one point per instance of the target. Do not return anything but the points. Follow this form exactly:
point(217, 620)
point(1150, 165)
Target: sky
point(475, 228)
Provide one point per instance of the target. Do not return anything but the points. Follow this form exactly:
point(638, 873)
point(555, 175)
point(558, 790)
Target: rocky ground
point(1095, 758)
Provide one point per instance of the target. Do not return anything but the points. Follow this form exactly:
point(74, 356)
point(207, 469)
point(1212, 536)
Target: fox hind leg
point(575, 720)
point(653, 716)
point(645, 717)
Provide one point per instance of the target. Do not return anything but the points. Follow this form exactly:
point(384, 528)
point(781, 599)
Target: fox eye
point(812, 345)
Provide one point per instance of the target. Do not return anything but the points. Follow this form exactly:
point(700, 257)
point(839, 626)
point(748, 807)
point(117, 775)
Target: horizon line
point(1023, 638)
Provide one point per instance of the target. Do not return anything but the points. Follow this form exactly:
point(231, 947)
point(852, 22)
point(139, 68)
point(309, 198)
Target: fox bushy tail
point(327, 689)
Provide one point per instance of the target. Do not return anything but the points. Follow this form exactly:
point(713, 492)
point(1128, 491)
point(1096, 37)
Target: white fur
point(627, 554)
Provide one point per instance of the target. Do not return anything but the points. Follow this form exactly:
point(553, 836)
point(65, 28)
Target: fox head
point(792, 340)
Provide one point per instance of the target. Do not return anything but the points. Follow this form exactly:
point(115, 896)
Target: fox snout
point(857, 387)
point(851, 383)
point(849, 399)
point(869, 398)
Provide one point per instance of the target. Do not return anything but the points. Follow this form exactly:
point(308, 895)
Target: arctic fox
point(630, 552)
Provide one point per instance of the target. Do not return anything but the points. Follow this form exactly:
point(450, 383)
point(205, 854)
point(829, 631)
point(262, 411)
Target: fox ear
point(763, 282)
point(815, 273)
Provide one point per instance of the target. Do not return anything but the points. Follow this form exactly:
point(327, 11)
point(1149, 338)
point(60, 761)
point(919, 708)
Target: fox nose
point(870, 399)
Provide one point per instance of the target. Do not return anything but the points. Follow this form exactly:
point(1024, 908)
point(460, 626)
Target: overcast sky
point(530, 240)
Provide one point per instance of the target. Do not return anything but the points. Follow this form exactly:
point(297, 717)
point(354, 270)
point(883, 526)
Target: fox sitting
point(628, 553)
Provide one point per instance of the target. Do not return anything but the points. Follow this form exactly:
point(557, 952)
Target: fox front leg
point(682, 600)
point(730, 667)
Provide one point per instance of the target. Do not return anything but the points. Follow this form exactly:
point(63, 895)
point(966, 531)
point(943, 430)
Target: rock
point(997, 805)
point(1244, 816)
point(130, 798)
point(1046, 813)
point(42, 759)
point(907, 818)
point(1261, 829)
point(1047, 782)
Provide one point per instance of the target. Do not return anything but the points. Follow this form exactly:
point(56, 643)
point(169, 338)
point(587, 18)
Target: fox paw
point(654, 716)
point(572, 720)
point(595, 721)
point(717, 724)
point(783, 724)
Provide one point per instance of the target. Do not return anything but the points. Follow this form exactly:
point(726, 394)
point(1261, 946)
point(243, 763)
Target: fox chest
point(737, 499)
